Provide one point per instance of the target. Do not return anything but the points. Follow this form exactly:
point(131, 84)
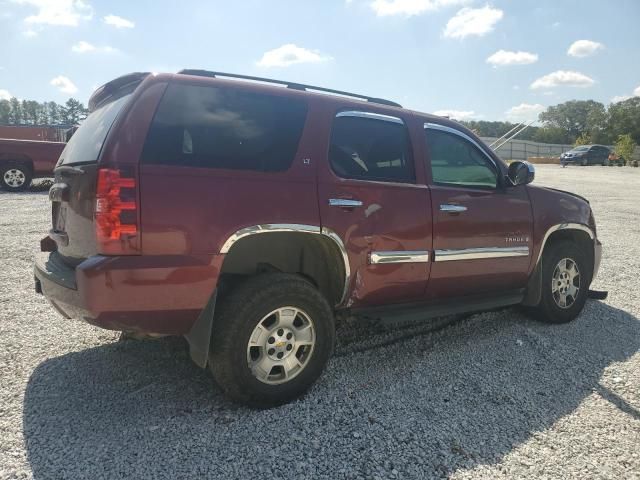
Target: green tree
point(73, 112)
point(625, 146)
point(550, 135)
point(5, 111)
point(624, 118)
point(583, 139)
point(576, 117)
point(15, 115)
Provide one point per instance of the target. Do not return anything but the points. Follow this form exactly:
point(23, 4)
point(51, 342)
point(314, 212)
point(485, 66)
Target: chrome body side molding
point(480, 253)
point(298, 228)
point(411, 256)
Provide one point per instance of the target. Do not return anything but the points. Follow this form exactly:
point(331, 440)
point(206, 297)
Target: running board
point(455, 306)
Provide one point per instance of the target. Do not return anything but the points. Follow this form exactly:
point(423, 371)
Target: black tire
point(585, 162)
point(13, 173)
point(548, 310)
point(235, 320)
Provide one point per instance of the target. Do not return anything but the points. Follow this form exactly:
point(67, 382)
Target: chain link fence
point(524, 149)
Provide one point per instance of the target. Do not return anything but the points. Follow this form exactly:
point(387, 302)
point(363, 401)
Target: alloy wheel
point(565, 283)
point(281, 345)
point(14, 178)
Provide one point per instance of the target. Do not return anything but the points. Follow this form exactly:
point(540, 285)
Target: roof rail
point(292, 85)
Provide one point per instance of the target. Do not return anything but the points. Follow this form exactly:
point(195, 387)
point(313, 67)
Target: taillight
point(116, 212)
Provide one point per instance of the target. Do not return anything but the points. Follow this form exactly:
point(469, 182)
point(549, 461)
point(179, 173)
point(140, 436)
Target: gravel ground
point(493, 395)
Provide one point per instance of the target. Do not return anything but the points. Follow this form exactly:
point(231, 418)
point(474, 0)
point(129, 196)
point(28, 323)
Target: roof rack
point(293, 86)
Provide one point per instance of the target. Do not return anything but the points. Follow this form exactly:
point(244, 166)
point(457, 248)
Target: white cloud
point(290, 54)
point(30, 33)
point(584, 48)
point(86, 47)
point(504, 57)
point(524, 112)
point(562, 78)
point(473, 21)
point(456, 114)
point(67, 13)
point(64, 84)
point(5, 95)
point(409, 8)
point(622, 98)
point(118, 22)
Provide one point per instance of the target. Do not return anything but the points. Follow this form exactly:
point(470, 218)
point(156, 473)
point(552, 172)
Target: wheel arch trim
point(563, 227)
point(295, 228)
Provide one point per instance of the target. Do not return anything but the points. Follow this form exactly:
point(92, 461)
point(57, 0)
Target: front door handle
point(450, 208)
point(344, 202)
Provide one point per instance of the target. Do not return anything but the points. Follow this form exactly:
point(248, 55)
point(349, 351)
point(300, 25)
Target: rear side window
point(213, 127)
point(368, 146)
point(86, 143)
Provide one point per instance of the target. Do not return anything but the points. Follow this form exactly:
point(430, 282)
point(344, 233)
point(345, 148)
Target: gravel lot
point(493, 395)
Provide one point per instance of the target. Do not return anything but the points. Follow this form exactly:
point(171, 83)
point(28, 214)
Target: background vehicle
point(615, 159)
point(23, 160)
point(586, 155)
point(244, 216)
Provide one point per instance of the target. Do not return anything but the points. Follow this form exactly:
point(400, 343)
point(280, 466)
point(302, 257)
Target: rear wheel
point(15, 177)
point(565, 281)
point(272, 338)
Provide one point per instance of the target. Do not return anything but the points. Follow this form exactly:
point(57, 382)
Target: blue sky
point(430, 55)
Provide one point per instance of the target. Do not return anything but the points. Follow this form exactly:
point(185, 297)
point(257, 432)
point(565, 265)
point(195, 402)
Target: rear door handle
point(344, 202)
point(447, 207)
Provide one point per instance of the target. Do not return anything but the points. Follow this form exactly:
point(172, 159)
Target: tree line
point(30, 112)
point(576, 121)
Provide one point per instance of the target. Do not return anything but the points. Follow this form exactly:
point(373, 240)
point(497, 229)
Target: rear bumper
point(150, 294)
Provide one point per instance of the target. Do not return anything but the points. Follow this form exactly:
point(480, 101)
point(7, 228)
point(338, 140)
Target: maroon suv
point(244, 215)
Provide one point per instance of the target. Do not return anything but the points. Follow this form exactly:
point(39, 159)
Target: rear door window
point(214, 127)
point(368, 146)
point(86, 143)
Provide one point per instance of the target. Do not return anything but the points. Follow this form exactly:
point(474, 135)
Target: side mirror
point(521, 173)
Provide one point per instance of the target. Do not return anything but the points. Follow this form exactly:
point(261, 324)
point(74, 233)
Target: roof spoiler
point(106, 91)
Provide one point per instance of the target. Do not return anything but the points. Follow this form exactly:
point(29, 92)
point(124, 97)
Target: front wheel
point(565, 282)
point(584, 162)
point(15, 177)
point(272, 338)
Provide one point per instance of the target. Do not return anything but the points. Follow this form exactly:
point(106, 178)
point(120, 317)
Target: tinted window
point(86, 142)
point(216, 127)
point(457, 161)
point(371, 149)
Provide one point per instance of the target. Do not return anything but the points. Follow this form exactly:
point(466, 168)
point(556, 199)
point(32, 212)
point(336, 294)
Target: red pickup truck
point(247, 216)
point(23, 160)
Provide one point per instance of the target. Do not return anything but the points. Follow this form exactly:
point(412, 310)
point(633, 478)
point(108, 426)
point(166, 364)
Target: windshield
point(86, 142)
point(581, 149)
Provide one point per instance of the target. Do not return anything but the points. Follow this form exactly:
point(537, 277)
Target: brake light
point(116, 212)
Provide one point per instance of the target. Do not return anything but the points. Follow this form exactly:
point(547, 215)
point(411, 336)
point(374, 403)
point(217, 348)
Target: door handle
point(450, 208)
point(344, 202)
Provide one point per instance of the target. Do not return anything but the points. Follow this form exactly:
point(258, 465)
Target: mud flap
point(533, 292)
point(199, 337)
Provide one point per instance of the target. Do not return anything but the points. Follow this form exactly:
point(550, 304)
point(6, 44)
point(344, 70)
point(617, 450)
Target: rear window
point(213, 127)
point(86, 143)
